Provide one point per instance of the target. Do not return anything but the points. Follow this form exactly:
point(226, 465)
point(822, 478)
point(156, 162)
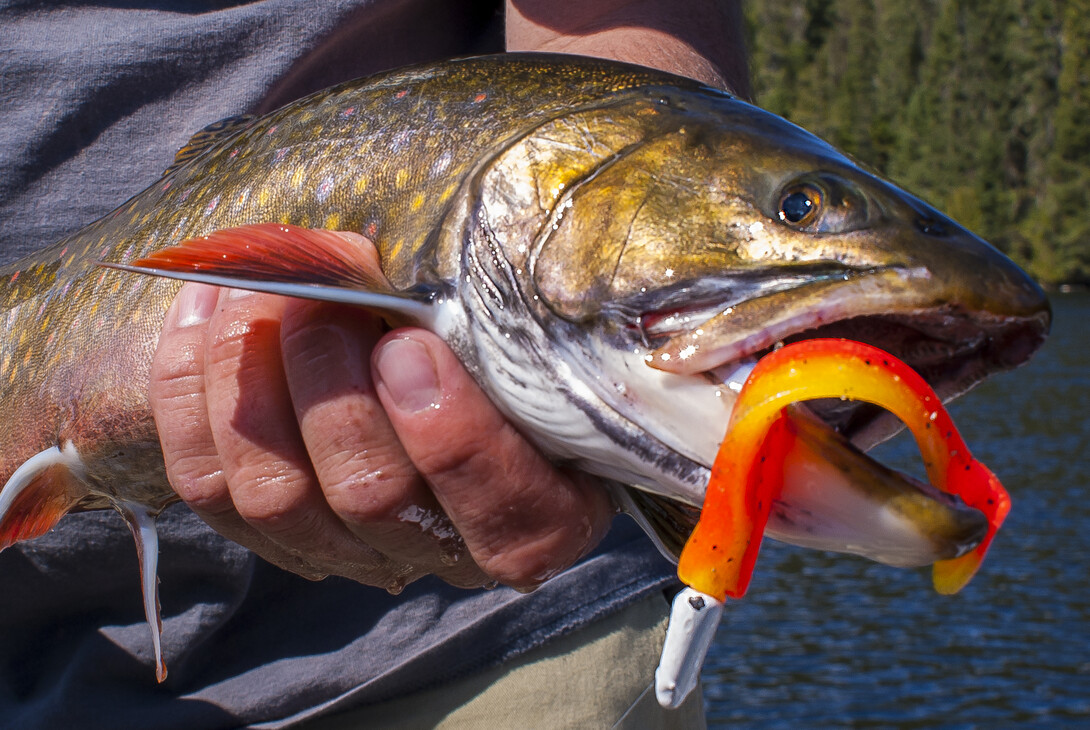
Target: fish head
point(645, 251)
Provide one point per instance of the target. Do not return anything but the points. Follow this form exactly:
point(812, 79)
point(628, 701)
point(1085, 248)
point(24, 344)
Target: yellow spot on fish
point(361, 185)
point(418, 201)
point(402, 177)
point(297, 177)
point(448, 192)
point(396, 249)
point(333, 221)
point(263, 198)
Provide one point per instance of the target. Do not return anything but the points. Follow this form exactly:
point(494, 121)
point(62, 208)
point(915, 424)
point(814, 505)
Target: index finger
point(523, 520)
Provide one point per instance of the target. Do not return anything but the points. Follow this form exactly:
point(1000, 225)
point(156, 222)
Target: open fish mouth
point(951, 346)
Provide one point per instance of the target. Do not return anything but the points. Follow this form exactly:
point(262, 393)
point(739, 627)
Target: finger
point(263, 457)
point(366, 477)
point(179, 405)
point(522, 519)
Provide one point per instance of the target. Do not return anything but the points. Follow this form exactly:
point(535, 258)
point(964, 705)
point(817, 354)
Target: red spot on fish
point(479, 98)
point(212, 205)
point(271, 130)
point(166, 186)
point(401, 94)
point(280, 153)
point(234, 154)
point(372, 229)
point(14, 277)
point(349, 111)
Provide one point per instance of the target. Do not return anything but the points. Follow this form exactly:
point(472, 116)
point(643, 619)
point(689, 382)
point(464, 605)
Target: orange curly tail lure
point(721, 552)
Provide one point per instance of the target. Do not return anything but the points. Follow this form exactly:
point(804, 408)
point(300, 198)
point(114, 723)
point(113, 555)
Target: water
point(829, 640)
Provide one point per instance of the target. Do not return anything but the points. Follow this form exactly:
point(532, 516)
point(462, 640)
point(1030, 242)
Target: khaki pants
point(599, 677)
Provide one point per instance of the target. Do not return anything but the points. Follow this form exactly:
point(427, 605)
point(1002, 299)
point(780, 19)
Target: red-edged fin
point(277, 258)
point(40, 492)
point(276, 252)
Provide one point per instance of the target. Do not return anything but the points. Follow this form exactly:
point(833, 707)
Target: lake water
point(830, 640)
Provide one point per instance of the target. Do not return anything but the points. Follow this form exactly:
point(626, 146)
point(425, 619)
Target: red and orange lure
point(719, 557)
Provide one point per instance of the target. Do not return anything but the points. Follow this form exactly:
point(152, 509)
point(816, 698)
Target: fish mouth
point(953, 347)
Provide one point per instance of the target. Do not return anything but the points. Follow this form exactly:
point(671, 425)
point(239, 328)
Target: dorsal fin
point(207, 137)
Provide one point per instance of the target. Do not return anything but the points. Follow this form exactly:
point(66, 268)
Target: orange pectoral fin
point(277, 252)
point(277, 258)
point(38, 494)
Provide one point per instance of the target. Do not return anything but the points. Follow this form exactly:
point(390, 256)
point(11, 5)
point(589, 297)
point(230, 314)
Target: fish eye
point(825, 204)
point(799, 204)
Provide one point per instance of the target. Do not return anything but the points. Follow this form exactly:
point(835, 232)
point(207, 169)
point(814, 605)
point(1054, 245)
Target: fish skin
point(79, 338)
point(407, 159)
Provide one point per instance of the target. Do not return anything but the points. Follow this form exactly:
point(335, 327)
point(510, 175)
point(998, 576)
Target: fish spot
point(480, 97)
point(401, 140)
point(325, 187)
point(401, 178)
point(417, 202)
point(333, 221)
point(298, 177)
point(361, 185)
point(441, 164)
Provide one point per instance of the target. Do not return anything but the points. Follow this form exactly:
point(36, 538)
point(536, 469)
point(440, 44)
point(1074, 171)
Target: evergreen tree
point(1067, 199)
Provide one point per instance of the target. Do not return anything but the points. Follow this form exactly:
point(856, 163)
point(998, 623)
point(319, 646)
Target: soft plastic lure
point(747, 475)
point(720, 554)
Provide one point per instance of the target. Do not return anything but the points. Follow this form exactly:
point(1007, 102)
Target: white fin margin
point(22, 477)
point(141, 523)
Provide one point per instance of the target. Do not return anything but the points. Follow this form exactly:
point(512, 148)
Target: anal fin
point(41, 491)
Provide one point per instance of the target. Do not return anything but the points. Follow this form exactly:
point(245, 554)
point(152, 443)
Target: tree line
point(980, 107)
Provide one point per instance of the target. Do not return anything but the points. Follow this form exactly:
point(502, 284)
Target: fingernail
point(407, 372)
point(239, 293)
point(195, 304)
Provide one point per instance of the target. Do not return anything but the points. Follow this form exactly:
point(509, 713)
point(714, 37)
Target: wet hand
point(305, 432)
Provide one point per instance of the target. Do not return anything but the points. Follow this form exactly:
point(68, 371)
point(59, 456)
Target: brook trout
point(602, 246)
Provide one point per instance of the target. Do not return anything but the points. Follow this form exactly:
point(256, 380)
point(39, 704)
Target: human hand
point(304, 432)
point(701, 39)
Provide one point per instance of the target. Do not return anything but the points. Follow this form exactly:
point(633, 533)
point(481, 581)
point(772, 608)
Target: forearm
point(702, 39)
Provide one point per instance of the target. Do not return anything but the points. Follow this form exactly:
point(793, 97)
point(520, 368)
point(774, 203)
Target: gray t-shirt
point(94, 100)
